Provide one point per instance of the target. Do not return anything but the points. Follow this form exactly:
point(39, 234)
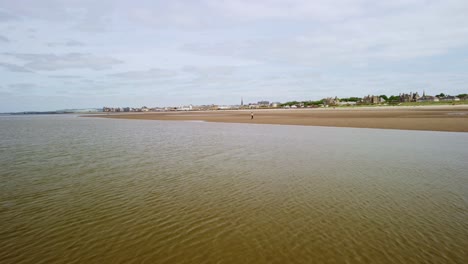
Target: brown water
point(87, 190)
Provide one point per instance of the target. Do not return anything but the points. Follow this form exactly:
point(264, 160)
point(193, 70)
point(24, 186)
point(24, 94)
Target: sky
point(63, 54)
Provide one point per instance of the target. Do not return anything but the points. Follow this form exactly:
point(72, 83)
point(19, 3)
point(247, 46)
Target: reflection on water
point(81, 190)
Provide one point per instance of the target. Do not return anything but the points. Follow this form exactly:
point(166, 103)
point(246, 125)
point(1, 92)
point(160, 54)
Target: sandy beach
point(433, 118)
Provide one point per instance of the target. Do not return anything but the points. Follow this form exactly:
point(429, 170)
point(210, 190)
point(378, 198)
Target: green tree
point(384, 97)
point(393, 99)
point(317, 102)
point(441, 95)
point(350, 99)
point(290, 103)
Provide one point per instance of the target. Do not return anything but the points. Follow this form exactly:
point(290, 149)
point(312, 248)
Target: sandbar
point(432, 118)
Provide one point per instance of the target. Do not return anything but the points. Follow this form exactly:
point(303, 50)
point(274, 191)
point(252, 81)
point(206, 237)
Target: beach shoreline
point(429, 118)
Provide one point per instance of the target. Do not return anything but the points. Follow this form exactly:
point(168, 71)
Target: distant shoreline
point(430, 118)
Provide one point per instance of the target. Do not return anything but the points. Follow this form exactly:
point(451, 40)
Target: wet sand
point(435, 118)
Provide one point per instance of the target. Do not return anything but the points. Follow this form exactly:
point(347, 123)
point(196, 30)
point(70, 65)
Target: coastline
point(429, 118)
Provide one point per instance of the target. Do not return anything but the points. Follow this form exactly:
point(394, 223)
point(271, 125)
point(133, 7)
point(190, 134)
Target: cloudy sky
point(57, 54)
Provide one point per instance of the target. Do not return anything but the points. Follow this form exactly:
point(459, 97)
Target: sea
point(94, 190)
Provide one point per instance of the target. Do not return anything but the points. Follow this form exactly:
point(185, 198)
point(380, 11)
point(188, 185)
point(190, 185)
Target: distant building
point(411, 97)
point(428, 98)
point(449, 98)
point(224, 107)
point(331, 101)
point(275, 104)
point(371, 99)
point(263, 103)
point(185, 108)
point(347, 103)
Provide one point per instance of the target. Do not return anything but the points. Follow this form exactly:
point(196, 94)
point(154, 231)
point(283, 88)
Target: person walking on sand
point(251, 115)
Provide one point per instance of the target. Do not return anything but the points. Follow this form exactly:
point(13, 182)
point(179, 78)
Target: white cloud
point(69, 43)
point(209, 49)
point(53, 62)
point(13, 67)
point(414, 32)
point(5, 16)
point(65, 76)
point(144, 74)
point(23, 86)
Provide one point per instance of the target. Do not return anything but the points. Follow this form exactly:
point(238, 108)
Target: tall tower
point(242, 101)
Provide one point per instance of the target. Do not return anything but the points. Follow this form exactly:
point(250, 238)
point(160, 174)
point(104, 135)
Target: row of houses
point(414, 97)
point(125, 109)
point(330, 101)
point(369, 99)
point(402, 98)
point(147, 109)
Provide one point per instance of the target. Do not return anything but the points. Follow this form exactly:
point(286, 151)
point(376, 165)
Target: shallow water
point(90, 190)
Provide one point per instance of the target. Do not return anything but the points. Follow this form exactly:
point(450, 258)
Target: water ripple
point(79, 190)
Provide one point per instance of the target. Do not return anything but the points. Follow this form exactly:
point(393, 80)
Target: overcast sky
point(57, 54)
